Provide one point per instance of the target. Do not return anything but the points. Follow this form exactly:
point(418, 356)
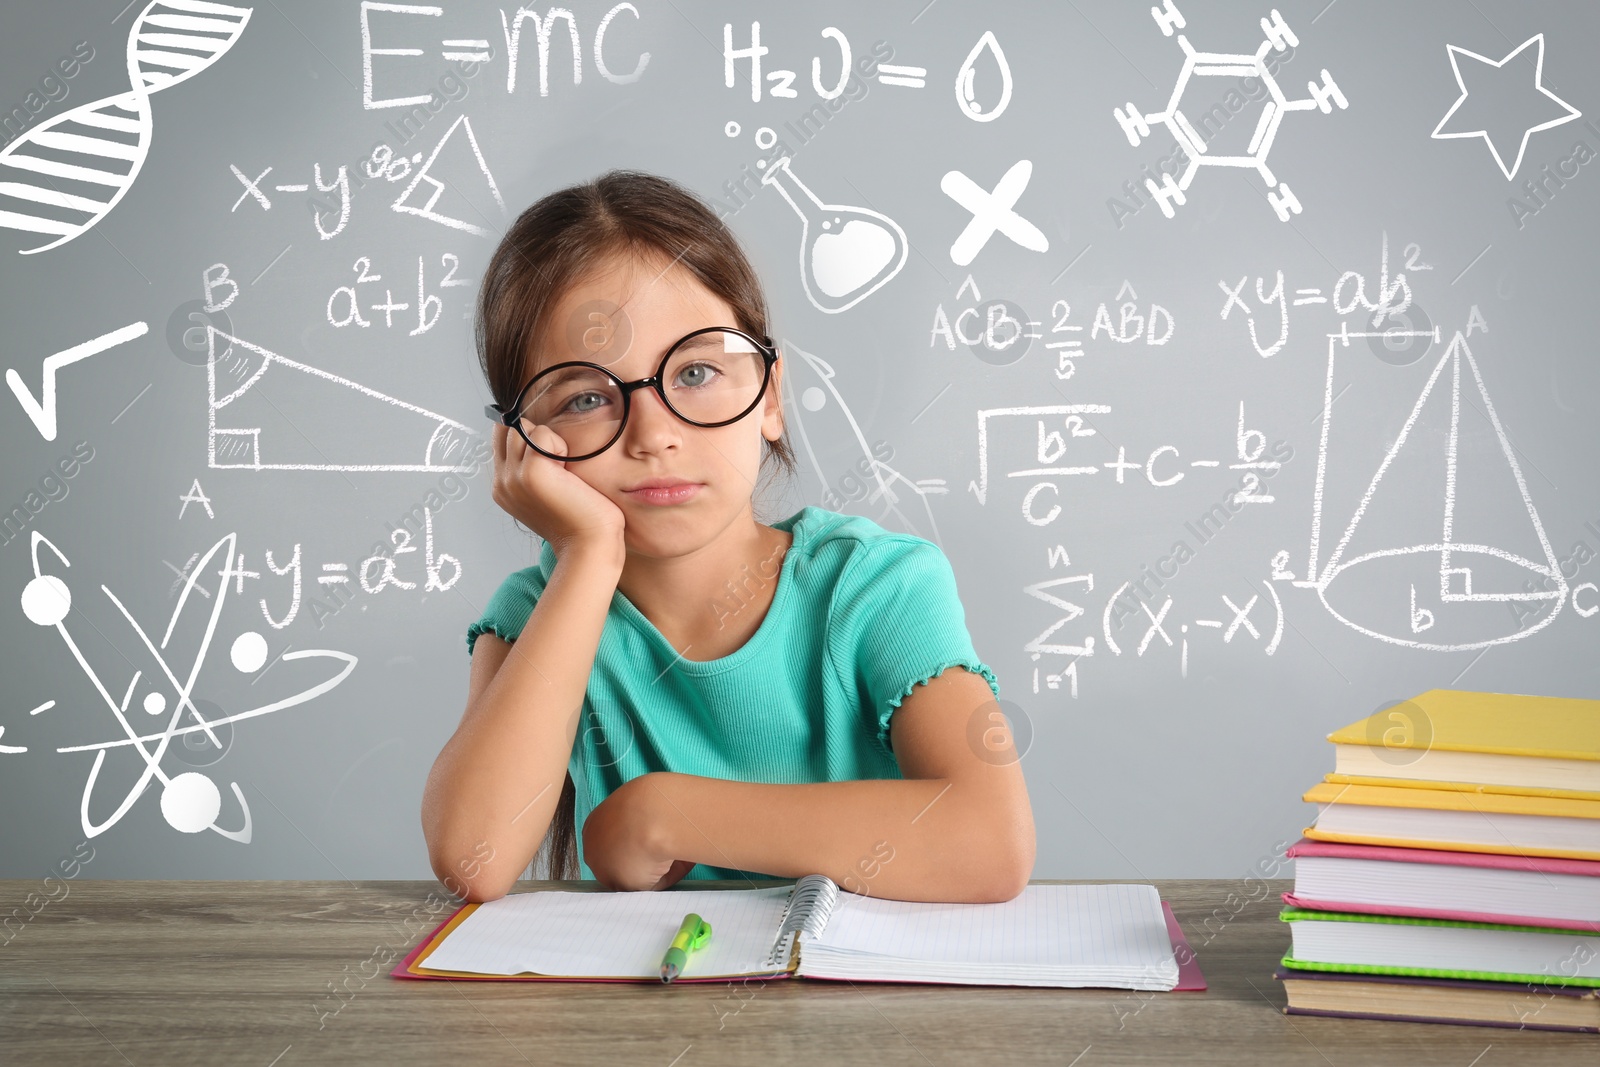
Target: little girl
point(694, 693)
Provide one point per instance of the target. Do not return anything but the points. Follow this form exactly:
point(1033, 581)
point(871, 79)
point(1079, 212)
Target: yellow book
point(1463, 787)
point(1504, 740)
point(1456, 820)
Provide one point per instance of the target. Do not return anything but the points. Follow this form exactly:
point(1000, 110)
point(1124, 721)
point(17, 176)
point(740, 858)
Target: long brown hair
point(554, 244)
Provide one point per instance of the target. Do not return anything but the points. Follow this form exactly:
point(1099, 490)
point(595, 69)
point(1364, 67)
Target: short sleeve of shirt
point(897, 622)
point(508, 609)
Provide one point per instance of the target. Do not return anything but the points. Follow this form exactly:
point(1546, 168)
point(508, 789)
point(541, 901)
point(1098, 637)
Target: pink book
point(1545, 866)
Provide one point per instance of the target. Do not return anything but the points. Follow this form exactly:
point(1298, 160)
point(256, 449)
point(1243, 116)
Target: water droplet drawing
point(966, 80)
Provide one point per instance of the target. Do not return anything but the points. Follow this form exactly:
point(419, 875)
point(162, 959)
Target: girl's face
point(624, 316)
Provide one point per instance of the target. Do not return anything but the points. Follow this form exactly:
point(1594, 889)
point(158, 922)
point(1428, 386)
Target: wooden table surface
point(141, 972)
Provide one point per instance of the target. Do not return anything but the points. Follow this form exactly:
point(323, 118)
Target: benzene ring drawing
point(1195, 145)
point(190, 801)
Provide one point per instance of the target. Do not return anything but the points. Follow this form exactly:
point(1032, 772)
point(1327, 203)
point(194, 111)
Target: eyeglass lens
point(711, 377)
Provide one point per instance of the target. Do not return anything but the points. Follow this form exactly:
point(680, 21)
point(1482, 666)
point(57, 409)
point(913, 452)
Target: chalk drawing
point(846, 253)
point(1074, 420)
point(1448, 566)
point(780, 83)
point(375, 573)
point(428, 210)
point(1003, 331)
point(783, 80)
point(190, 801)
point(545, 30)
point(1392, 300)
point(98, 148)
point(1047, 591)
point(1238, 618)
point(43, 410)
point(236, 369)
point(367, 51)
point(1136, 124)
point(966, 88)
point(1039, 646)
point(1129, 325)
point(992, 211)
point(821, 414)
point(475, 50)
point(340, 184)
point(907, 77)
point(195, 495)
point(347, 299)
point(1465, 122)
point(1163, 467)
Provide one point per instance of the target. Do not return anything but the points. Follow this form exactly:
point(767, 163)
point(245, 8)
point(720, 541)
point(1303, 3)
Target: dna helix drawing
point(72, 169)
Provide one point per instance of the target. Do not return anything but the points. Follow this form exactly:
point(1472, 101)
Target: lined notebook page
point(1110, 926)
point(612, 934)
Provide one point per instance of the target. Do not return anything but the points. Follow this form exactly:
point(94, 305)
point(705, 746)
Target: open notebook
point(1051, 935)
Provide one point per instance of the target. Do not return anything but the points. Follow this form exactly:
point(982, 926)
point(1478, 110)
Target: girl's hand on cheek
point(622, 841)
point(547, 497)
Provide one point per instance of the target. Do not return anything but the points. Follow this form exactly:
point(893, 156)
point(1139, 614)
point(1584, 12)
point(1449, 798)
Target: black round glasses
point(711, 377)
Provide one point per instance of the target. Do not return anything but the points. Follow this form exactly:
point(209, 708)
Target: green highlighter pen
point(693, 933)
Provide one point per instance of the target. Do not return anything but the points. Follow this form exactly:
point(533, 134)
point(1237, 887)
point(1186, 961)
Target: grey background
point(1147, 772)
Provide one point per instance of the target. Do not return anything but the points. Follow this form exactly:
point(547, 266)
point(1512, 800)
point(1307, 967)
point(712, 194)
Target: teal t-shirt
point(860, 616)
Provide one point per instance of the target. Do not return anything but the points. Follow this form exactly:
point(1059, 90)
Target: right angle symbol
point(1199, 146)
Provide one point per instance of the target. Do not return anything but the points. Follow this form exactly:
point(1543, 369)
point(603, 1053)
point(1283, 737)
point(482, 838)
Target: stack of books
point(1453, 872)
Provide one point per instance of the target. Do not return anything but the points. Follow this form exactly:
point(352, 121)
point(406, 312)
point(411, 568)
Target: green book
point(1440, 948)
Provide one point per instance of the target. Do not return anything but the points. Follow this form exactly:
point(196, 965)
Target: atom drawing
point(190, 801)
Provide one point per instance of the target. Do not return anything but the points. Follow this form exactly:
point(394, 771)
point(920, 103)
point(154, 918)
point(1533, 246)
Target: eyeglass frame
point(512, 420)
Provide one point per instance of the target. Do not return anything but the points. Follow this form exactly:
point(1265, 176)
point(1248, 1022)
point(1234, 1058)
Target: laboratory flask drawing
point(190, 801)
point(317, 436)
point(1136, 124)
point(846, 253)
point(97, 149)
point(819, 413)
point(1446, 579)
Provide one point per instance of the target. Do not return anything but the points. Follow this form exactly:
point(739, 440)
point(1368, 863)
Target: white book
point(1049, 935)
point(1462, 884)
point(1441, 948)
point(1540, 835)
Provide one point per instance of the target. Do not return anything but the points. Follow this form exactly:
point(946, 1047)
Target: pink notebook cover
point(1189, 977)
point(1538, 864)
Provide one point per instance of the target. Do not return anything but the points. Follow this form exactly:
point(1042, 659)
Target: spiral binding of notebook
point(806, 912)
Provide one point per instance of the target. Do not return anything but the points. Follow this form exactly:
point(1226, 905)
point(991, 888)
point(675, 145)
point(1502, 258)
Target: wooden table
point(138, 972)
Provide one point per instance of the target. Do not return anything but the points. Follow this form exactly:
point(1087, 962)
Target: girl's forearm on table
point(928, 839)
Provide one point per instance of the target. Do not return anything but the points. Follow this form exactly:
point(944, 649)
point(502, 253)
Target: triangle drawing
point(460, 169)
point(1440, 529)
point(303, 418)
